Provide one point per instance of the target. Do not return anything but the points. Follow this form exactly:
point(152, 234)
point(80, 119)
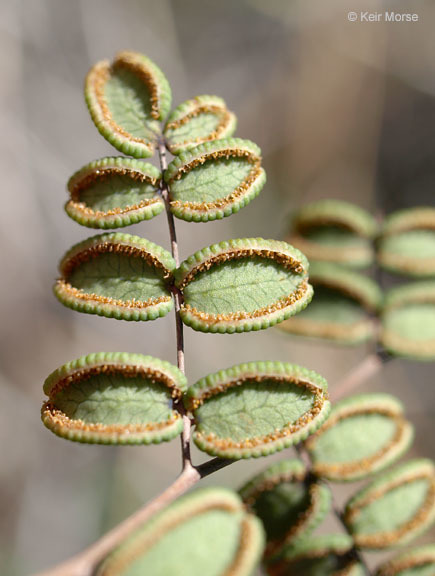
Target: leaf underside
point(117, 275)
point(335, 245)
point(210, 532)
point(324, 555)
point(256, 409)
point(408, 321)
point(364, 434)
point(411, 253)
point(114, 398)
point(126, 101)
point(215, 180)
point(241, 287)
point(334, 316)
point(414, 562)
point(199, 120)
point(114, 192)
point(395, 508)
point(288, 505)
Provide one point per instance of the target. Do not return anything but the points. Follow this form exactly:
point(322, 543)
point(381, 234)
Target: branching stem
point(370, 366)
point(85, 563)
point(305, 457)
point(185, 436)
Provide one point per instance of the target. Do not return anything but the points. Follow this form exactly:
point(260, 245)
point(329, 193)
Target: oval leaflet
point(243, 285)
point(289, 505)
point(395, 508)
point(215, 179)
point(210, 531)
point(408, 321)
point(126, 100)
point(325, 555)
point(114, 192)
point(199, 120)
point(256, 409)
point(415, 562)
point(407, 244)
point(342, 309)
point(114, 398)
point(363, 434)
point(335, 231)
point(117, 276)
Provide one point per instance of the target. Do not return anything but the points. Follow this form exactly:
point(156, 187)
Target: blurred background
point(340, 109)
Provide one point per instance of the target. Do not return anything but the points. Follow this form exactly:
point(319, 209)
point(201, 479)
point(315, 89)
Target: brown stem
point(178, 297)
point(370, 366)
point(86, 562)
point(305, 457)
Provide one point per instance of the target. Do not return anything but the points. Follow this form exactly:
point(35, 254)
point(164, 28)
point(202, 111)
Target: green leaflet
point(334, 231)
point(126, 100)
point(114, 398)
point(256, 409)
point(205, 533)
point(415, 562)
point(114, 192)
point(395, 508)
point(342, 307)
point(408, 321)
point(243, 285)
point(289, 507)
point(325, 555)
point(363, 434)
point(117, 276)
point(215, 179)
point(407, 245)
point(202, 119)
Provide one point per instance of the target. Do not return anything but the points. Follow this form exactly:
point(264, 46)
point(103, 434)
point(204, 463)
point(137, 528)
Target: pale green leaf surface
point(115, 399)
point(129, 102)
point(204, 533)
point(329, 307)
point(417, 244)
point(243, 285)
point(119, 276)
point(116, 192)
point(333, 237)
point(414, 562)
point(353, 438)
point(425, 570)
point(414, 322)
point(391, 510)
point(186, 550)
point(394, 508)
point(198, 127)
point(215, 179)
point(253, 410)
point(336, 213)
point(408, 321)
point(126, 100)
point(363, 435)
point(201, 119)
point(211, 181)
point(113, 192)
point(319, 555)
